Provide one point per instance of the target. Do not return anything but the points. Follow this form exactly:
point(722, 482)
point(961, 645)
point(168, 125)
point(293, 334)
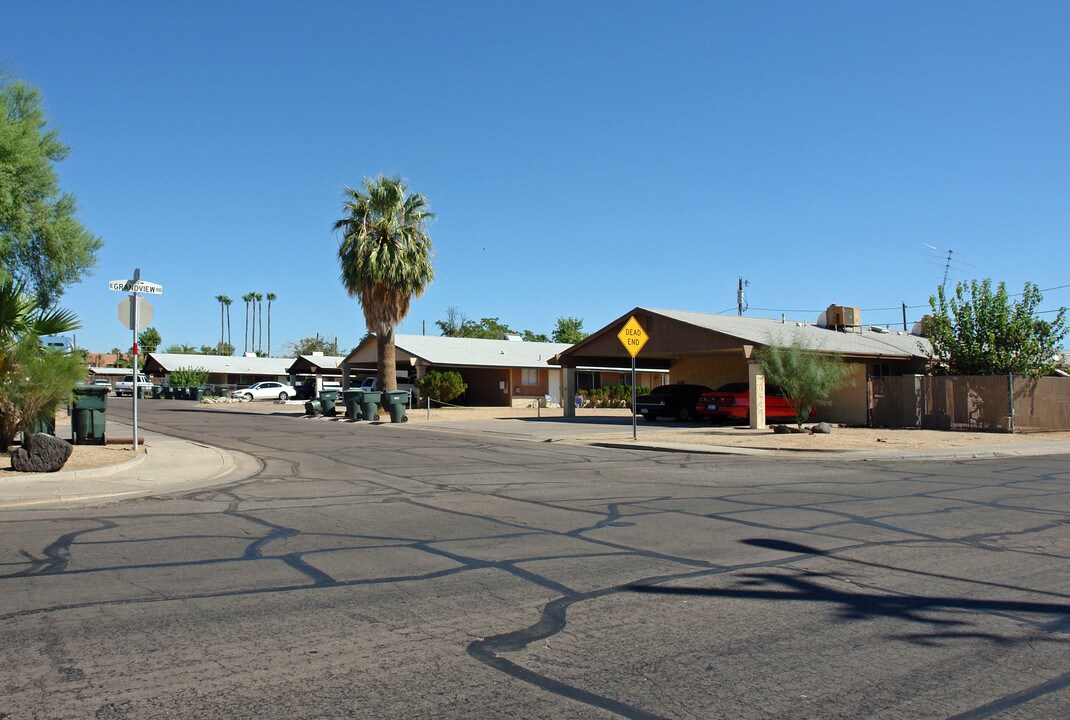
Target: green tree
point(222, 300)
point(979, 331)
point(182, 349)
point(451, 326)
point(806, 377)
point(259, 313)
point(226, 350)
point(309, 345)
point(530, 336)
point(441, 386)
point(226, 302)
point(569, 330)
point(42, 244)
point(149, 339)
point(385, 255)
point(33, 379)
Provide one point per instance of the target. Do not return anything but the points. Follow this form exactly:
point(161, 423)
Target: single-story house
point(504, 373)
point(222, 369)
point(711, 349)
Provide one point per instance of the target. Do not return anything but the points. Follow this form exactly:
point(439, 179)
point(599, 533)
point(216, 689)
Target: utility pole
point(904, 316)
point(741, 300)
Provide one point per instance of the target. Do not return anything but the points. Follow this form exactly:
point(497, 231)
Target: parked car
point(731, 402)
point(102, 382)
point(126, 385)
point(676, 401)
point(266, 390)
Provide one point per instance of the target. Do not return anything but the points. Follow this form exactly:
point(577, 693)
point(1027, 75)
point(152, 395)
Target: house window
point(881, 370)
point(530, 376)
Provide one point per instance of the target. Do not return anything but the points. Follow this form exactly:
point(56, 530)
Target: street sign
point(632, 336)
point(138, 286)
point(126, 313)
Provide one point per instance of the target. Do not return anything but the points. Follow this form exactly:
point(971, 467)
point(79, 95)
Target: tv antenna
point(948, 259)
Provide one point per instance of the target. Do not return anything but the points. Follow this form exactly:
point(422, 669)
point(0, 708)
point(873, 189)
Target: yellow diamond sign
point(632, 336)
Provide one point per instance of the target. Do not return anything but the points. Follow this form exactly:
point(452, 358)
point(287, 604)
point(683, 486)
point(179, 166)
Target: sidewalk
point(169, 465)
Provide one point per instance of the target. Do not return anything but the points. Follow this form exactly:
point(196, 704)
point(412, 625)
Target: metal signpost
point(135, 313)
point(633, 337)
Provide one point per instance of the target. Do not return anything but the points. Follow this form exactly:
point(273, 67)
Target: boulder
point(41, 453)
point(822, 428)
point(781, 429)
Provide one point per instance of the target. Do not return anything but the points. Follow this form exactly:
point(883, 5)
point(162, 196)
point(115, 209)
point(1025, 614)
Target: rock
point(781, 429)
point(41, 453)
point(822, 428)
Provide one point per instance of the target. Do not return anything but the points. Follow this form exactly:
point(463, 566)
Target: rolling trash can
point(155, 392)
point(351, 398)
point(327, 400)
point(369, 404)
point(395, 401)
point(88, 414)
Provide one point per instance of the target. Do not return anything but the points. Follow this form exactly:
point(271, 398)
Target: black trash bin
point(369, 404)
point(155, 392)
point(351, 398)
point(88, 414)
point(395, 402)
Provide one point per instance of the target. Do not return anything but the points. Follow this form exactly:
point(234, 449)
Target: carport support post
point(757, 395)
point(634, 435)
point(569, 401)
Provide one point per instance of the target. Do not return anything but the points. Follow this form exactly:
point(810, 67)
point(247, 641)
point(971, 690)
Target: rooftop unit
point(842, 316)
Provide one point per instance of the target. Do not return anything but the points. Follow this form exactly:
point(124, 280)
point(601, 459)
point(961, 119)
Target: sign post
point(633, 338)
point(130, 316)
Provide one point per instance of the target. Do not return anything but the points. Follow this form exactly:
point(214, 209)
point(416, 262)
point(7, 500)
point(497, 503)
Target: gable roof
point(463, 352)
point(766, 331)
point(315, 363)
point(229, 364)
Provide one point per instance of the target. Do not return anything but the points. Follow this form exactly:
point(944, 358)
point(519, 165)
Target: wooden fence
point(996, 403)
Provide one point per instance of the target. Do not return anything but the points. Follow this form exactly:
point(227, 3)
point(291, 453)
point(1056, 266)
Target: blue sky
point(582, 158)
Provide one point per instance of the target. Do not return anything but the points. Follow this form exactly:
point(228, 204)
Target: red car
point(732, 402)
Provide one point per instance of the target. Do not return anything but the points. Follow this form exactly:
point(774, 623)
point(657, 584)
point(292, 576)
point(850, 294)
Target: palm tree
point(222, 320)
point(385, 255)
point(271, 297)
point(260, 315)
point(248, 298)
point(226, 302)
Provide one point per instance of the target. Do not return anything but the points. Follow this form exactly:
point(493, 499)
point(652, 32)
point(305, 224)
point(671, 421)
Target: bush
point(806, 377)
point(33, 383)
point(188, 377)
point(441, 386)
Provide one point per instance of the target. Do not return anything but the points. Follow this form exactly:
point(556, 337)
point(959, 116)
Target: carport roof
point(464, 352)
point(315, 363)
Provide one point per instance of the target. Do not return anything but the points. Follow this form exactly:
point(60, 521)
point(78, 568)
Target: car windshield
point(733, 388)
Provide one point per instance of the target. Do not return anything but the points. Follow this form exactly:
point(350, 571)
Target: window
point(881, 370)
point(530, 376)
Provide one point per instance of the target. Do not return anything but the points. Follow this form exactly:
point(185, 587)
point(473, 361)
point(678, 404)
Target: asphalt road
point(418, 571)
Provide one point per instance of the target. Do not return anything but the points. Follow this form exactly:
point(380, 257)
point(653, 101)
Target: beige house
point(709, 349)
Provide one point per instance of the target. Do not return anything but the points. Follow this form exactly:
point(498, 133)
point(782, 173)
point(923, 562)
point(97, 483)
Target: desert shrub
point(441, 386)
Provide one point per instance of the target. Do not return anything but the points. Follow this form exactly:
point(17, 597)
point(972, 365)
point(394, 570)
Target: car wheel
point(248, 396)
point(683, 414)
point(283, 396)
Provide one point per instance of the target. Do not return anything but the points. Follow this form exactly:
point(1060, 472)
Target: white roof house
point(460, 352)
point(223, 369)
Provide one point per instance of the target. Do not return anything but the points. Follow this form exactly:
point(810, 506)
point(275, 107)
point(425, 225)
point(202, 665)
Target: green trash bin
point(351, 398)
point(168, 394)
point(43, 424)
point(196, 393)
point(327, 400)
point(395, 402)
point(89, 414)
point(369, 404)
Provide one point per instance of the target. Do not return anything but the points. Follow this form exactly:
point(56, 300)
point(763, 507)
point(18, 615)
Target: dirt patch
point(84, 457)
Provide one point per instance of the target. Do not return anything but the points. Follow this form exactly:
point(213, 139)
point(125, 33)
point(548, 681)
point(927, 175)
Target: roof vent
point(512, 338)
point(883, 331)
point(249, 354)
point(317, 353)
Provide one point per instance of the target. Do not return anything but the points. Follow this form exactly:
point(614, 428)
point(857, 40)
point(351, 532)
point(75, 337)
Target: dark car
point(676, 401)
point(731, 403)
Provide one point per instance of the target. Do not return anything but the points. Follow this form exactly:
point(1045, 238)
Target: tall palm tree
point(260, 315)
point(271, 297)
point(248, 298)
point(385, 254)
point(226, 302)
point(222, 320)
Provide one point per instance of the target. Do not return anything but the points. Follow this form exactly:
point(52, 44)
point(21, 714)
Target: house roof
point(464, 352)
point(315, 363)
point(229, 364)
point(676, 332)
point(765, 331)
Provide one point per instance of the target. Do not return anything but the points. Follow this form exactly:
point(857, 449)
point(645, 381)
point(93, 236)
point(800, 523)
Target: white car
point(267, 390)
